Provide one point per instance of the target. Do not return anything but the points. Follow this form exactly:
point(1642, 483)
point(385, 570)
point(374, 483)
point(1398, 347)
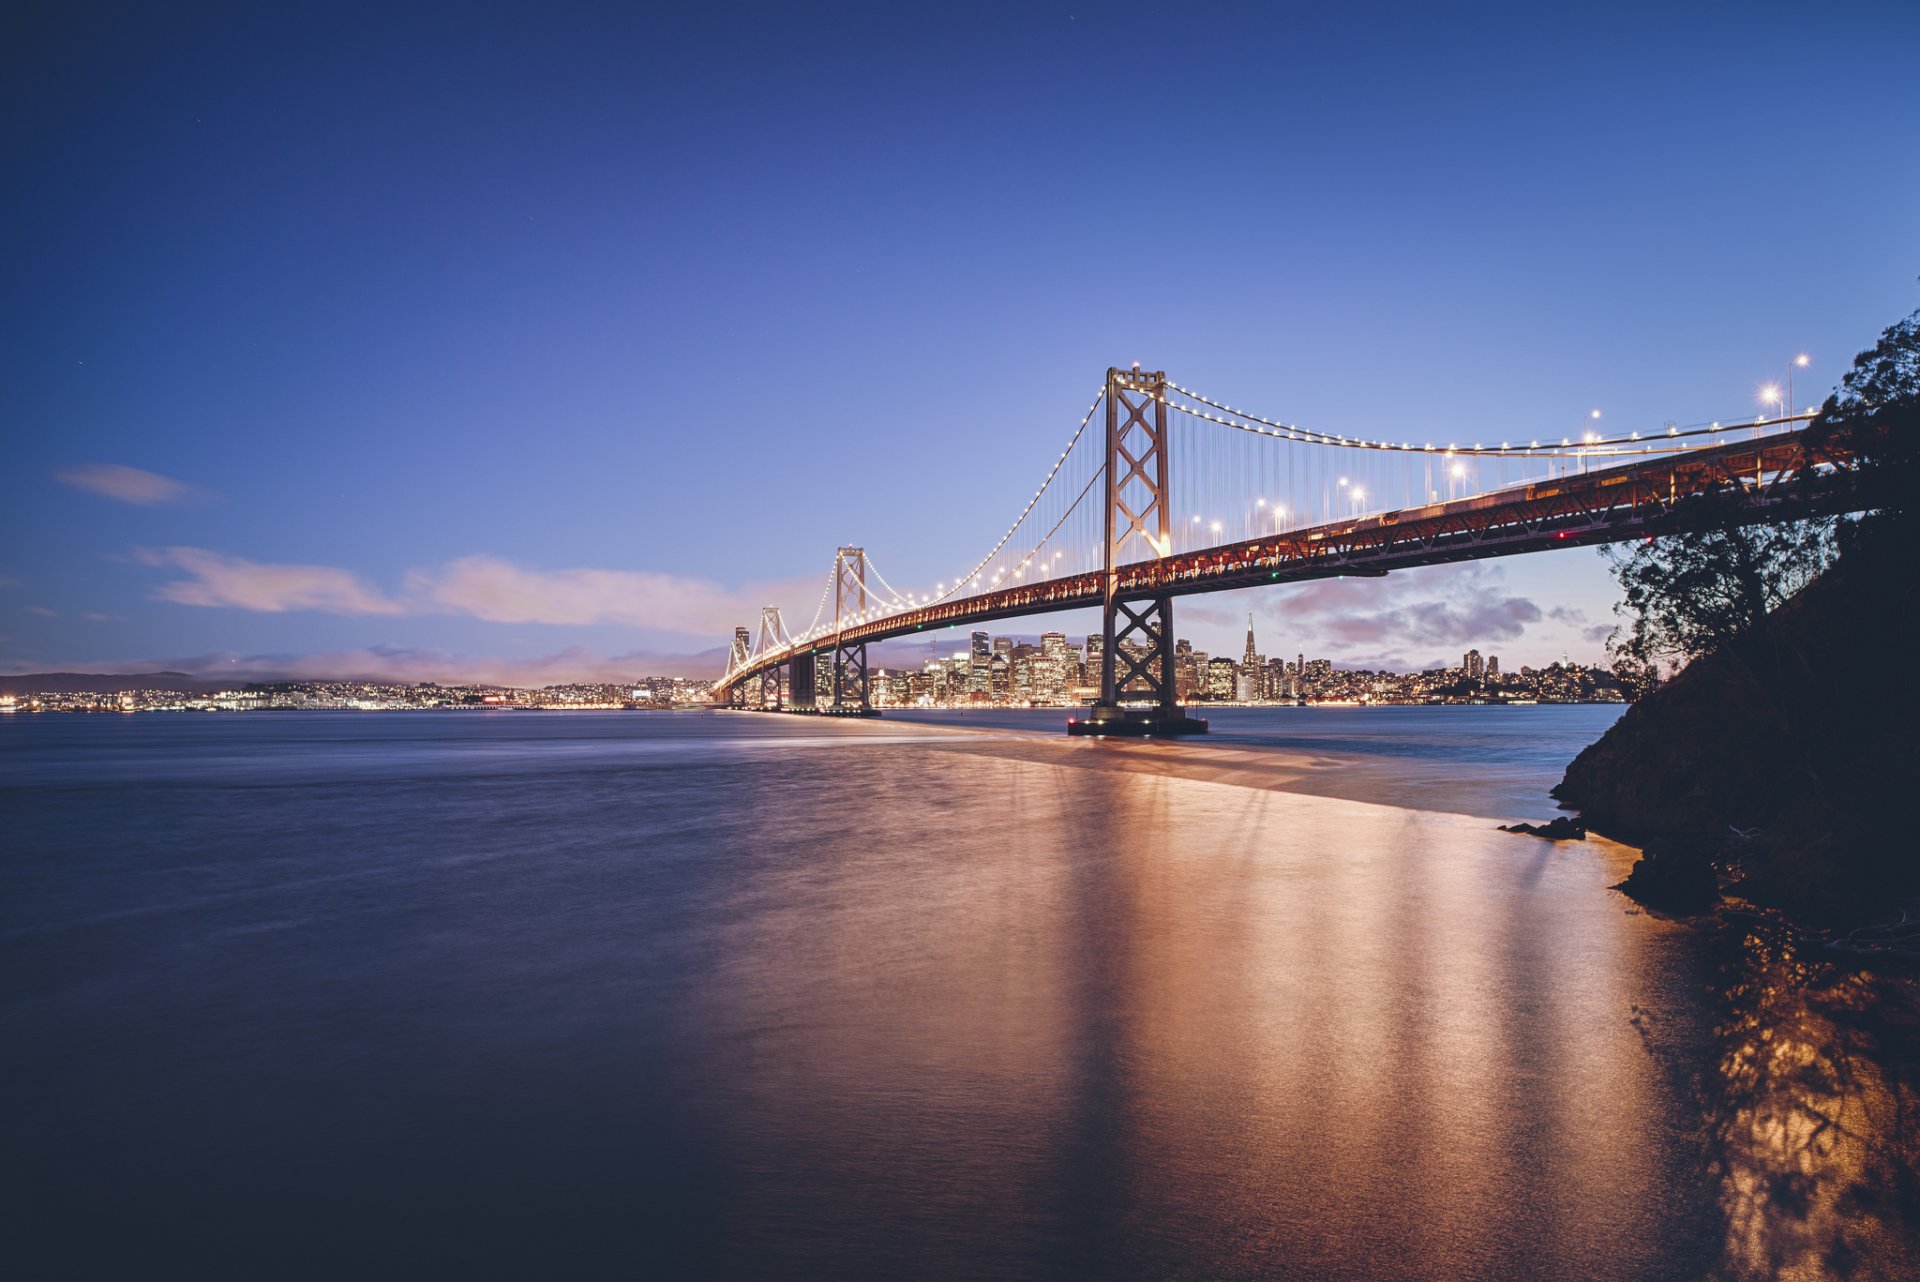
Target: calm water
point(716, 995)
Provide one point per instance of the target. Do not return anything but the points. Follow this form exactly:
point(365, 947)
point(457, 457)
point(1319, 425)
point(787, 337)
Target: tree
point(1685, 596)
point(1878, 406)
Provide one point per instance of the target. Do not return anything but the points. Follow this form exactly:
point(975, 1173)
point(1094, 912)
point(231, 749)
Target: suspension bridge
point(1231, 499)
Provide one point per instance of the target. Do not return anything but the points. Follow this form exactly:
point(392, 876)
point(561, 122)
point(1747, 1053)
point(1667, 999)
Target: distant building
point(1185, 679)
point(1096, 660)
point(1222, 679)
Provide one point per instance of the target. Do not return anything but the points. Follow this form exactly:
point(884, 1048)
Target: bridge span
point(1130, 555)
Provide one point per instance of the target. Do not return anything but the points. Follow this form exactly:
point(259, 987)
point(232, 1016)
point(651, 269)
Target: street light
point(1799, 362)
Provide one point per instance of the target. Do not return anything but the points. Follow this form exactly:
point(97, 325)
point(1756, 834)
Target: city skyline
point(1050, 669)
point(305, 392)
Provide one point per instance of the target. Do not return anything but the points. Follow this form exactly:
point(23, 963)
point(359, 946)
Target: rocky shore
point(1784, 768)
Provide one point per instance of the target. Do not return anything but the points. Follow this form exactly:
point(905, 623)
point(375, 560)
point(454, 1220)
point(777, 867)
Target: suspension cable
point(1051, 473)
point(1295, 433)
point(818, 610)
point(898, 595)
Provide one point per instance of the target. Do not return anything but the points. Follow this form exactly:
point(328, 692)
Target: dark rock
point(1675, 881)
point(1565, 828)
point(1779, 755)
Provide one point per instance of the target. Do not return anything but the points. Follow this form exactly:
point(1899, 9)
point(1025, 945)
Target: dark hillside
point(1805, 738)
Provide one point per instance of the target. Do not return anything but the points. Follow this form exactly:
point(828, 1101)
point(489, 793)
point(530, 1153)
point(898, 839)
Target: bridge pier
point(850, 695)
point(800, 684)
point(1137, 634)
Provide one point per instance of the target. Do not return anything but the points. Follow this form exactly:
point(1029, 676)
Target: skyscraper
point(1250, 662)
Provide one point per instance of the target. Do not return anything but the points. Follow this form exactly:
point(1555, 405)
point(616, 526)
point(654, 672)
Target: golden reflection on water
point(1812, 1118)
point(1162, 1027)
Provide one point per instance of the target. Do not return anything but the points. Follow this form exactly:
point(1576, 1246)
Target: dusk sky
point(523, 348)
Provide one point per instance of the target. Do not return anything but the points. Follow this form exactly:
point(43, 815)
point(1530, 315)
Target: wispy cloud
point(236, 583)
point(1406, 620)
point(502, 592)
point(42, 611)
point(482, 587)
point(125, 484)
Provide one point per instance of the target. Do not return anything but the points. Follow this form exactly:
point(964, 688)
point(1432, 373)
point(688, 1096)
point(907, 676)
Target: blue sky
point(549, 343)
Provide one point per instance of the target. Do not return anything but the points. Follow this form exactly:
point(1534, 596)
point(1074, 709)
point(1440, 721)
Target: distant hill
point(107, 682)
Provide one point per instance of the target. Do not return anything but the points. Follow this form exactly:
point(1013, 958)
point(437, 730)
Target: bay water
point(940, 995)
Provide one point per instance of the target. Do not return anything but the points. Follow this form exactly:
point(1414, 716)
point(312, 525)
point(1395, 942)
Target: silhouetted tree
point(1689, 595)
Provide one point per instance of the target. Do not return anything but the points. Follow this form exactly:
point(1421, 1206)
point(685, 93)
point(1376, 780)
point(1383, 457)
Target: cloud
point(1397, 622)
point(1468, 608)
point(1438, 623)
point(502, 592)
point(236, 583)
point(125, 484)
point(507, 593)
point(482, 587)
point(42, 611)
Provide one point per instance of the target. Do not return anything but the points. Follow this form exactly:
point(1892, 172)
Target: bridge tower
point(772, 632)
point(1137, 632)
point(737, 655)
point(849, 662)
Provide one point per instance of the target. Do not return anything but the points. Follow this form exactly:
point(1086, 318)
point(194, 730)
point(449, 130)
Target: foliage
point(1884, 377)
point(1878, 402)
point(1637, 676)
point(1689, 595)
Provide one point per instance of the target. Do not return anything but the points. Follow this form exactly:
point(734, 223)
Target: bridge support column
point(1137, 696)
point(801, 687)
point(850, 695)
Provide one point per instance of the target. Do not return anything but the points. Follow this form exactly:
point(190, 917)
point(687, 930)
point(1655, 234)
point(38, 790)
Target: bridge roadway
point(1775, 478)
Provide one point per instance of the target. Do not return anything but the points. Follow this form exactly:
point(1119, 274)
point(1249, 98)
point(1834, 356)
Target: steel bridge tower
point(847, 683)
point(772, 632)
point(737, 657)
point(1137, 632)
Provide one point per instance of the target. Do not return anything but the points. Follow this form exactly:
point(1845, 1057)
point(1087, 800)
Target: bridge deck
point(1778, 477)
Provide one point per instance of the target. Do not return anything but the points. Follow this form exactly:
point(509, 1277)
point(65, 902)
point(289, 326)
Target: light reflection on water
point(752, 996)
point(1813, 1115)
